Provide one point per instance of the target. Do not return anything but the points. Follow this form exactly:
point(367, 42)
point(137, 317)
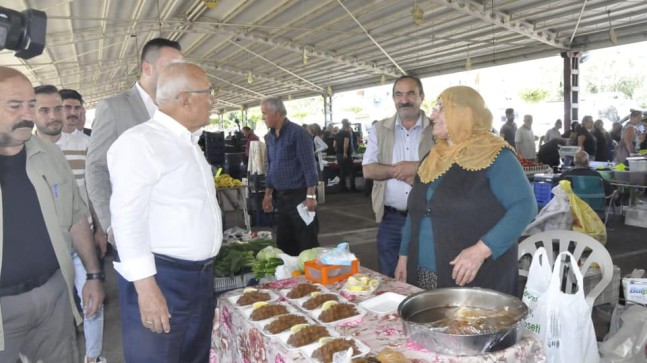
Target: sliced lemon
point(373, 284)
point(328, 304)
point(352, 281)
point(249, 289)
point(296, 328)
point(325, 340)
point(364, 280)
point(258, 304)
point(315, 294)
point(356, 288)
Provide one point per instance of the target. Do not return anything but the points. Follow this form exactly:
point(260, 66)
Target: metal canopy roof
point(93, 46)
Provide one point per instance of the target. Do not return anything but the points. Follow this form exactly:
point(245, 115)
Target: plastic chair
point(584, 248)
point(591, 190)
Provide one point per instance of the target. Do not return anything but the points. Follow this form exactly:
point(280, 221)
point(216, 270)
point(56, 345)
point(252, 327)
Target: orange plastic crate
point(327, 274)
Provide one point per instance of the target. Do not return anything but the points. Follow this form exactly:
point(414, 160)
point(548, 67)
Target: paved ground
point(348, 217)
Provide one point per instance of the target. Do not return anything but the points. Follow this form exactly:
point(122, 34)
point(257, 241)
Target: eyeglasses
point(210, 91)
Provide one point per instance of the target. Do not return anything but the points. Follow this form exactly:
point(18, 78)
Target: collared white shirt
point(163, 197)
point(151, 107)
point(405, 148)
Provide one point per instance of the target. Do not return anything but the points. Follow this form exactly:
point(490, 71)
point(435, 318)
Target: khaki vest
point(46, 164)
point(385, 134)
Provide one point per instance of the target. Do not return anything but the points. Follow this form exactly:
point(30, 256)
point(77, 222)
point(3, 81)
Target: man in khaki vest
point(394, 150)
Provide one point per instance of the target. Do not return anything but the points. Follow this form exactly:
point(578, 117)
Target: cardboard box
point(327, 274)
point(635, 216)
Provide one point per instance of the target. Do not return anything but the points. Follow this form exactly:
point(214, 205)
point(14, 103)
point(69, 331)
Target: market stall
point(377, 326)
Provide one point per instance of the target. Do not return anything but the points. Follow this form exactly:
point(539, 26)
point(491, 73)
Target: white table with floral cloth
point(237, 340)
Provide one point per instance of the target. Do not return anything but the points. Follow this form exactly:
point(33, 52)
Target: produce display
point(284, 322)
point(317, 299)
point(264, 311)
point(238, 257)
point(326, 351)
point(302, 290)
point(251, 296)
point(336, 311)
point(306, 334)
point(226, 181)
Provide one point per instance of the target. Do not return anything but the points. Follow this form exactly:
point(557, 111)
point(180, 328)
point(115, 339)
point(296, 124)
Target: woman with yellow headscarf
point(469, 204)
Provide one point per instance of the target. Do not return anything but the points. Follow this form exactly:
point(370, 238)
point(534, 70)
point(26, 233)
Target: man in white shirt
point(49, 126)
point(553, 133)
point(167, 224)
point(394, 148)
point(525, 139)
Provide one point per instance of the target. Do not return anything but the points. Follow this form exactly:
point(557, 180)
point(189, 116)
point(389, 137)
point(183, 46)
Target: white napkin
point(305, 214)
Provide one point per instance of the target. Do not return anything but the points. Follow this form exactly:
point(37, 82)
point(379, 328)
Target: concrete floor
point(349, 217)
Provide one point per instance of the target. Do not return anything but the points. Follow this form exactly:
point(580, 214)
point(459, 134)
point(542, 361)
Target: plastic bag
point(556, 215)
point(340, 255)
point(629, 343)
point(585, 219)
point(289, 265)
point(566, 328)
point(539, 275)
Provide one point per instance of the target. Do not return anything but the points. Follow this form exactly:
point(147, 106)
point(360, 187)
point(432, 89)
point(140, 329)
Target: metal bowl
point(416, 310)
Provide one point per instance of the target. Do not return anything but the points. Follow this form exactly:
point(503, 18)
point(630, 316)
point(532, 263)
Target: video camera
point(23, 31)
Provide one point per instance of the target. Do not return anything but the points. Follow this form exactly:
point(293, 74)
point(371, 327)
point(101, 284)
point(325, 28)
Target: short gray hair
point(275, 105)
point(581, 159)
point(172, 81)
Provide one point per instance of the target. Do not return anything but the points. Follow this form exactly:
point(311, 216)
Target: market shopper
point(344, 150)
point(630, 137)
point(525, 140)
point(391, 159)
point(50, 113)
point(585, 139)
point(167, 224)
point(43, 215)
point(292, 177)
point(469, 204)
point(119, 113)
point(509, 128)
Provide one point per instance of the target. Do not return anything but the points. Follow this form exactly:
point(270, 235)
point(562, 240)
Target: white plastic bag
point(556, 215)
point(539, 275)
point(629, 343)
point(565, 319)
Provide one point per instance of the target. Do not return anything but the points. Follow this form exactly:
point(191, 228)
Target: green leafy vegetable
point(238, 258)
point(268, 252)
point(307, 255)
point(267, 267)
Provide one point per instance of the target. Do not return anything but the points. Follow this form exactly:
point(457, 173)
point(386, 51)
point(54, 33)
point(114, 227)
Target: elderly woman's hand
point(401, 269)
point(468, 262)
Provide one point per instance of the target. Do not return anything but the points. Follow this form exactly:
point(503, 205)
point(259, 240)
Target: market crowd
point(141, 185)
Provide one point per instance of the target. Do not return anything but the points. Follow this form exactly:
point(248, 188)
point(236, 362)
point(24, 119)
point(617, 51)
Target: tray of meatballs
point(302, 318)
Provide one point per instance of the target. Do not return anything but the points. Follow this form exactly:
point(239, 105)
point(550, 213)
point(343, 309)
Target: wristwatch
point(96, 276)
point(311, 196)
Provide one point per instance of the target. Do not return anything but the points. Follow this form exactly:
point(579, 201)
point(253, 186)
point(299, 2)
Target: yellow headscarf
point(469, 126)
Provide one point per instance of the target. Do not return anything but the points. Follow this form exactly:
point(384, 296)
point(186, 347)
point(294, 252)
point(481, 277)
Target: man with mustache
point(46, 217)
point(72, 110)
point(391, 159)
point(50, 112)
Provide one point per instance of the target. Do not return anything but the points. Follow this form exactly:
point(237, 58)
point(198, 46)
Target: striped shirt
point(75, 149)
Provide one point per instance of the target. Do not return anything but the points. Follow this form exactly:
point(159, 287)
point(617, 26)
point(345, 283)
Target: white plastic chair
point(578, 244)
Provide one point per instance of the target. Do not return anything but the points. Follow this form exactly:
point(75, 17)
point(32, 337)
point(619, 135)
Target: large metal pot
point(417, 309)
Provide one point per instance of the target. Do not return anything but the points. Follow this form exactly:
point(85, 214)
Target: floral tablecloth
point(234, 339)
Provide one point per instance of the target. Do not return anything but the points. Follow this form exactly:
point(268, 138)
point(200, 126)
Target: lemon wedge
point(364, 280)
point(356, 288)
point(328, 304)
point(325, 340)
point(352, 281)
point(258, 304)
point(296, 328)
point(249, 289)
point(373, 284)
point(315, 294)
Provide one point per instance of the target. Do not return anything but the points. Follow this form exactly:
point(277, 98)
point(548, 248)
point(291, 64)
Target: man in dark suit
point(119, 113)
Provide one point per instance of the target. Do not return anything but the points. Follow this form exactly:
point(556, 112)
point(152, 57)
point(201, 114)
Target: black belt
point(289, 192)
point(184, 264)
point(27, 285)
point(388, 209)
